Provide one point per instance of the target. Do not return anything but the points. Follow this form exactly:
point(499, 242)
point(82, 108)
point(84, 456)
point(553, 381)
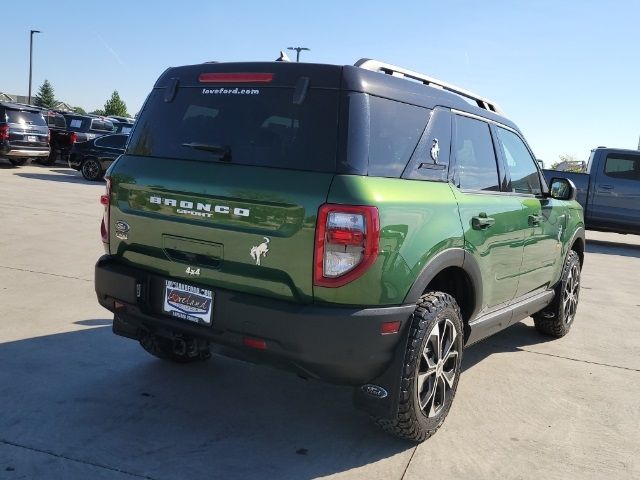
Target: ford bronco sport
point(358, 224)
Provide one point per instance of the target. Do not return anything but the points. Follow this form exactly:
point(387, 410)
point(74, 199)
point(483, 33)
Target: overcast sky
point(565, 72)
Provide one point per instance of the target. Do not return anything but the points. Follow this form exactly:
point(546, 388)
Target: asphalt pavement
point(77, 402)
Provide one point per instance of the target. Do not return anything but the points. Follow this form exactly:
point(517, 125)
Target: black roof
point(21, 106)
point(347, 77)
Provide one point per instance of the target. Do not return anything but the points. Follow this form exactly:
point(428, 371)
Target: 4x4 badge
point(260, 250)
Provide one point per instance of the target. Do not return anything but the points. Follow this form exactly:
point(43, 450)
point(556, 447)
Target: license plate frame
point(32, 138)
point(188, 302)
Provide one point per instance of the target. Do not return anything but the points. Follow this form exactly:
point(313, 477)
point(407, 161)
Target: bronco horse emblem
point(260, 250)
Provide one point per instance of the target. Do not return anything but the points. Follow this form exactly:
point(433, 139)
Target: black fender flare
point(451, 257)
point(578, 234)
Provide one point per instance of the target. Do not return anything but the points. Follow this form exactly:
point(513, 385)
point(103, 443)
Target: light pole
point(31, 60)
point(298, 50)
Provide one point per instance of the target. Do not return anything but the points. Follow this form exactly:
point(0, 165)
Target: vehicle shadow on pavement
point(96, 398)
point(513, 339)
point(613, 248)
point(58, 178)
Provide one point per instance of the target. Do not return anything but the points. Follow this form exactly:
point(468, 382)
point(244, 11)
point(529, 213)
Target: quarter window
point(475, 156)
point(623, 166)
point(111, 141)
point(522, 166)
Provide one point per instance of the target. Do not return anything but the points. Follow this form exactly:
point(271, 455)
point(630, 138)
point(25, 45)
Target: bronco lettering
point(201, 209)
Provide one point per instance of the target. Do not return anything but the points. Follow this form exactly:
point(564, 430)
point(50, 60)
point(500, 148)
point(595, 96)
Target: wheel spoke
point(449, 377)
point(438, 388)
point(423, 377)
point(428, 399)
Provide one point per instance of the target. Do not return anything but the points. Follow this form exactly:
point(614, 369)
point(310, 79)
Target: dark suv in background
point(88, 127)
point(59, 137)
point(23, 133)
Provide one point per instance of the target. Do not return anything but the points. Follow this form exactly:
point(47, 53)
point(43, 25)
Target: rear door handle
point(535, 219)
point(482, 222)
point(606, 187)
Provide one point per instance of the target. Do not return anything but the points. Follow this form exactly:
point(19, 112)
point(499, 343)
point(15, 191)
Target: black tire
point(50, 160)
point(557, 318)
point(163, 348)
point(419, 416)
point(18, 162)
point(91, 169)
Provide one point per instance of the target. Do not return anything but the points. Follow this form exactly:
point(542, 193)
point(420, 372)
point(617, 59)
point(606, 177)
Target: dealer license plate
point(188, 302)
point(32, 138)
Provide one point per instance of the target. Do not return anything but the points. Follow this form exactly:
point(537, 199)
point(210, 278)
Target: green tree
point(45, 97)
point(568, 163)
point(115, 106)
point(79, 110)
point(98, 111)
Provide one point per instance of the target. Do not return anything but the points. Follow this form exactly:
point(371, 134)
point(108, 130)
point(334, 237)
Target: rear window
point(259, 126)
point(75, 123)
point(56, 121)
point(102, 125)
point(24, 117)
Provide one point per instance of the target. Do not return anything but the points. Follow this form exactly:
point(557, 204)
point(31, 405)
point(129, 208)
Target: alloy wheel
point(570, 294)
point(91, 169)
point(438, 368)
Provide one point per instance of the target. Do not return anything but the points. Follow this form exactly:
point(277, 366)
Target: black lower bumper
point(340, 345)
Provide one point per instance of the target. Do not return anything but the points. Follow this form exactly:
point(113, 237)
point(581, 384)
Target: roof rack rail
point(387, 68)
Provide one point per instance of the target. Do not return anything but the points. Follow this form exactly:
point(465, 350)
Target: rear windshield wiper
point(223, 152)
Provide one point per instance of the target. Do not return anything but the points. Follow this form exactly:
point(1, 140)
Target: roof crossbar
point(387, 68)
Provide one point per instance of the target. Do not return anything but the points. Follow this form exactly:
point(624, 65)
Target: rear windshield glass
point(56, 121)
point(27, 118)
point(75, 123)
point(102, 125)
point(253, 126)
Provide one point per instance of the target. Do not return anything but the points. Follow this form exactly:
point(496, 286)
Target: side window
point(522, 166)
point(111, 141)
point(475, 156)
point(395, 129)
point(622, 166)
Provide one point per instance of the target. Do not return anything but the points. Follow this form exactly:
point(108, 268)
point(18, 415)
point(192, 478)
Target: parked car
point(87, 127)
point(60, 139)
point(122, 126)
point(358, 224)
point(93, 157)
point(23, 133)
point(609, 191)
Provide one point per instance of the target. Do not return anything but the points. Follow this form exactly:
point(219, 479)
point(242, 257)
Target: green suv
point(358, 224)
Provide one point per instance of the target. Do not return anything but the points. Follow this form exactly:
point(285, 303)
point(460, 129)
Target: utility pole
point(31, 60)
point(298, 50)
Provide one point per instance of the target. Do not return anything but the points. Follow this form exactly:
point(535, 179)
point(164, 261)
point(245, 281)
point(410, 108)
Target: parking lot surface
point(77, 402)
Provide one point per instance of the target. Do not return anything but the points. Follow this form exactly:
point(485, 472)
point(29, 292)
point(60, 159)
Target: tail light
point(104, 226)
point(347, 243)
point(49, 136)
point(73, 138)
point(4, 132)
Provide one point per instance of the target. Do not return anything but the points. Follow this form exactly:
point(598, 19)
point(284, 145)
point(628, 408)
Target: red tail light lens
point(347, 243)
point(4, 132)
point(73, 138)
point(235, 77)
point(104, 226)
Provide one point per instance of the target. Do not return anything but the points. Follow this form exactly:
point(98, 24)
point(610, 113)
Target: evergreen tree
point(115, 106)
point(45, 97)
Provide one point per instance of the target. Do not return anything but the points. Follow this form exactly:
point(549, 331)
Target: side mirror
point(562, 189)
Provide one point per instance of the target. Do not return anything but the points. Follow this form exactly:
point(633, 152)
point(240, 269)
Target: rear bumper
point(21, 152)
point(340, 345)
